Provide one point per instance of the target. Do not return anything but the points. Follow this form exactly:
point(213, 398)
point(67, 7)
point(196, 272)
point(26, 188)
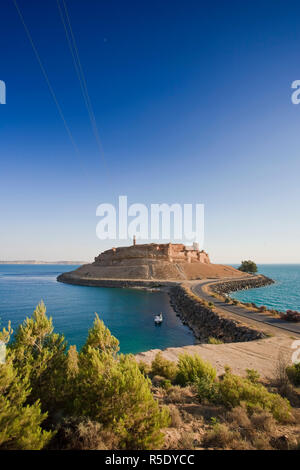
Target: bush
point(248, 267)
point(252, 375)
point(39, 356)
point(99, 337)
point(263, 421)
point(115, 393)
point(179, 395)
point(102, 391)
point(293, 373)
point(207, 389)
point(262, 308)
point(291, 315)
point(220, 436)
point(235, 390)
point(166, 384)
point(144, 368)
point(176, 420)
point(163, 367)
point(20, 423)
point(82, 434)
point(212, 340)
point(193, 368)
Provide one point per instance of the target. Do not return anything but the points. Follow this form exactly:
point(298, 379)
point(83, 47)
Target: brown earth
point(161, 262)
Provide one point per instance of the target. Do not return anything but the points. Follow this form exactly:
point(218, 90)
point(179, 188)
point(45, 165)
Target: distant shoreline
point(73, 263)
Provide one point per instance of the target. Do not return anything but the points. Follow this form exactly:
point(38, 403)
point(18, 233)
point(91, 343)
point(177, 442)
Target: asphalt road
point(252, 315)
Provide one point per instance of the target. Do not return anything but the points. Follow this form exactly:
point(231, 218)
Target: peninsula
point(148, 263)
point(33, 261)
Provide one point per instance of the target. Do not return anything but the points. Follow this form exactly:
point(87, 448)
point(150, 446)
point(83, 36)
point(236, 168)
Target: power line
point(46, 78)
point(80, 74)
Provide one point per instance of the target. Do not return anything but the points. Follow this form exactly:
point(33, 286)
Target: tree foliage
point(163, 367)
point(99, 337)
point(115, 393)
point(248, 266)
point(96, 385)
point(20, 423)
point(235, 390)
point(40, 356)
point(193, 368)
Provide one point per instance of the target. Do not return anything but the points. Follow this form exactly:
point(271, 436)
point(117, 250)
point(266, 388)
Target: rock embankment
point(241, 284)
point(206, 322)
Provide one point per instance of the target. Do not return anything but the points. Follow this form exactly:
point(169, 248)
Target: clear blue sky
point(193, 104)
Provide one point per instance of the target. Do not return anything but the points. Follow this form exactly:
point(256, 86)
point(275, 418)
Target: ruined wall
point(174, 253)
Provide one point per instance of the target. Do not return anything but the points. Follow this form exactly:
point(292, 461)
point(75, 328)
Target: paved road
point(197, 288)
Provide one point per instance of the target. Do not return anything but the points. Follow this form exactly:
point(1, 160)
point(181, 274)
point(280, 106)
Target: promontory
point(149, 264)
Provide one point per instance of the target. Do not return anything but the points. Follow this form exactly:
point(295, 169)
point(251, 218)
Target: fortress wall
point(174, 253)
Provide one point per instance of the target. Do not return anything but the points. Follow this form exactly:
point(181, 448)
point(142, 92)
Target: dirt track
point(262, 355)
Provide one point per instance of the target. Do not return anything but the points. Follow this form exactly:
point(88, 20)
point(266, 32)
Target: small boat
point(158, 319)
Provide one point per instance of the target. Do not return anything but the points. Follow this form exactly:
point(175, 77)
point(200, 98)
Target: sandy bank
point(261, 355)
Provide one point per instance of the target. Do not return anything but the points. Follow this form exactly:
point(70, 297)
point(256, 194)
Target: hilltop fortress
point(150, 262)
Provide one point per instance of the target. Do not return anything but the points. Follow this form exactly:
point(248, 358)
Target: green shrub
point(20, 423)
point(166, 384)
point(252, 375)
point(113, 391)
point(248, 266)
point(39, 356)
point(100, 337)
point(263, 308)
point(163, 367)
point(144, 368)
point(94, 387)
point(193, 368)
point(235, 390)
point(293, 373)
point(207, 389)
point(212, 340)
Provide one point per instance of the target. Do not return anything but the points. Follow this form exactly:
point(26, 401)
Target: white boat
point(158, 319)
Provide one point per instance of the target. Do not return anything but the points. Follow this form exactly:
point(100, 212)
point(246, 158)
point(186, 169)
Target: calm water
point(127, 312)
point(283, 295)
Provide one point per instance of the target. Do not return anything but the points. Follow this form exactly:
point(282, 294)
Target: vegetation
point(43, 386)
point(248, 266)
point(20, 423)
point(55, 397)
point(213, 340)
point(293, 373)
point(235, 390)
point(193, 368)
point(163, 367)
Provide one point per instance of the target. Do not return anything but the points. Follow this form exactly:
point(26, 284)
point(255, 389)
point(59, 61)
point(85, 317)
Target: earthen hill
point(150, 262)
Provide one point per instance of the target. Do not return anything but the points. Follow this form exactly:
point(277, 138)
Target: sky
point(193, 105)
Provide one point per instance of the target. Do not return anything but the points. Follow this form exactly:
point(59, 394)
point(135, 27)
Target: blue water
point(283, 295)
point(127, 312)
